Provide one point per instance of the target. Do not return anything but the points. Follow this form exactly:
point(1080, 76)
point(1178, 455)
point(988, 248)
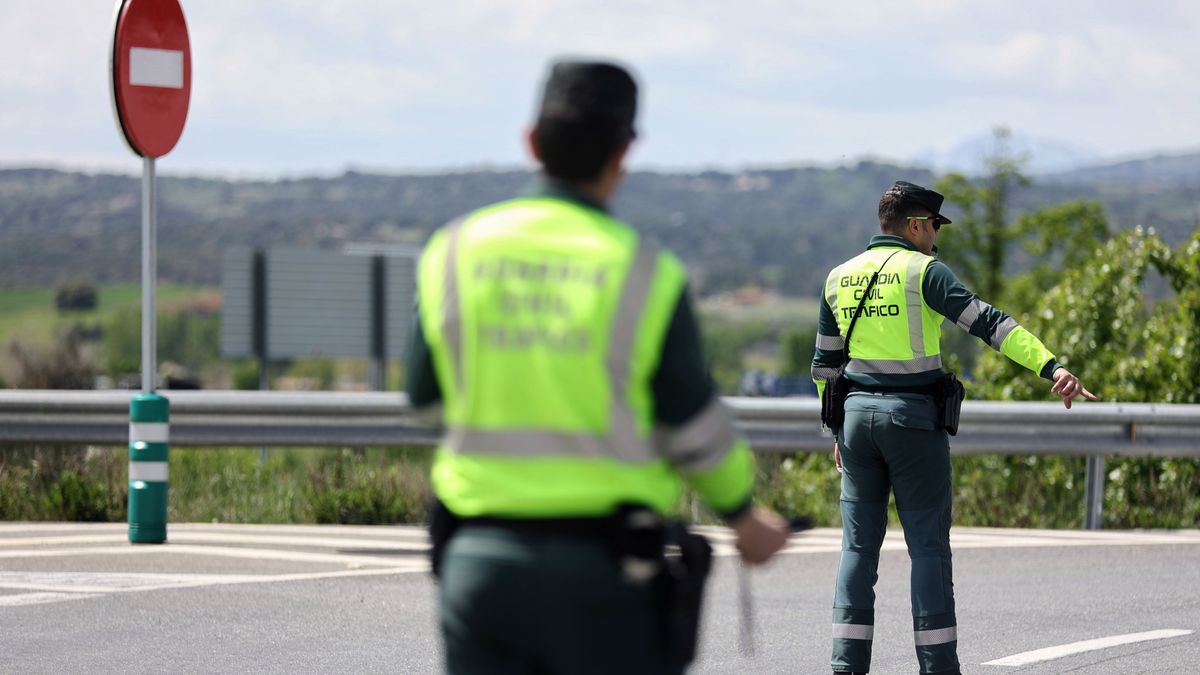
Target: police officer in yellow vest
point(563, 347)
point(892, 436)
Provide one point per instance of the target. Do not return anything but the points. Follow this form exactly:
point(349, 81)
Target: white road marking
point(187, 536)
point(259, 541)
point(25, 599)
point(90, 584)
point(829, 540)
point(1050, 653)
point(353, 561)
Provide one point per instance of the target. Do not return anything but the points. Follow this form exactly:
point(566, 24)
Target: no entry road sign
point(151, 74)
point(151, 78)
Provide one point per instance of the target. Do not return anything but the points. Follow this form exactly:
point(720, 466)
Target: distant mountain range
point(1167, 171)
point(1042, 155)
point(779, 228)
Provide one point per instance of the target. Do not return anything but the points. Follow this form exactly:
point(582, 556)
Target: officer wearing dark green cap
point(576, 402)
point(894, 433)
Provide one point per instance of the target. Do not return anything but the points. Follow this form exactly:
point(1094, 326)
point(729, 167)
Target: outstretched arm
point(947, 296)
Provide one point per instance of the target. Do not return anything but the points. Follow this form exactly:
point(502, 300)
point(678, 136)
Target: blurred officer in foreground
point(890, 406)
point(564, 348)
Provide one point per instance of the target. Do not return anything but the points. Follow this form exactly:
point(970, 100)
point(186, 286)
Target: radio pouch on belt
point(833, 399)
point(950, 395)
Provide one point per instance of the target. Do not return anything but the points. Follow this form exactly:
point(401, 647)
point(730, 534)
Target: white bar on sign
point(149, 432)
point(151, 472)
point(156, 67)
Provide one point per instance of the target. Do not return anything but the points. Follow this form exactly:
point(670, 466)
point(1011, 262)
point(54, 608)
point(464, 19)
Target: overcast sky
point(289, 87)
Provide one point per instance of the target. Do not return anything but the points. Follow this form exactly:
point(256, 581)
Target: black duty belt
point(924, 389)
point(599, 527)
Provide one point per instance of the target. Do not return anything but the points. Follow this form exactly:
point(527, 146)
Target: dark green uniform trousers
point(892, 441)
point(536, 603)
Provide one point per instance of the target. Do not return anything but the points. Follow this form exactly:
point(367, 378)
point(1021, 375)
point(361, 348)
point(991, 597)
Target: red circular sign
point(151, 74)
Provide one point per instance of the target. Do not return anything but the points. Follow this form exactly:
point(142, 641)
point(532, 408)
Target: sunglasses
point(936, 225)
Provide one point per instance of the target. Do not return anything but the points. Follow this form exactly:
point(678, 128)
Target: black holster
point(683, 580)
point(833, 401)
point(645, 540)
point(442, 525)
point(950, 395)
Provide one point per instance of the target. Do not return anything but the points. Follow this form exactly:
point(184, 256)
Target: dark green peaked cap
point(597, 93)
point(916, 195)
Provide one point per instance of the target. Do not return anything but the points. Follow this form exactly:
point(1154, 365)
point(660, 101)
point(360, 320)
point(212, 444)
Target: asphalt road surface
point(236, 598)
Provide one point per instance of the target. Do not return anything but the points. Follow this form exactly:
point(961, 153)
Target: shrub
point(75, 295)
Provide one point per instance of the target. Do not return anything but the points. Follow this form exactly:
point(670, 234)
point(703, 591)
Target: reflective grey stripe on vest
point(1006, 326)
point(939, 636)
point(703, 441)
point(912, 298)
point(853, 631)
point(894, 367)
point(830, 342)
point(451, 319)
point(525, 443)
point(622, 441)
point(972, 312)
point(824, 373)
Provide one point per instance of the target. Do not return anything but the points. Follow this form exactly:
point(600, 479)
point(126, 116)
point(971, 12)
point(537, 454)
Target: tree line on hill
point(775, 228)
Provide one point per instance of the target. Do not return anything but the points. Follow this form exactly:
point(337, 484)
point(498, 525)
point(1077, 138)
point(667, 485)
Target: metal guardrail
point(339, 419)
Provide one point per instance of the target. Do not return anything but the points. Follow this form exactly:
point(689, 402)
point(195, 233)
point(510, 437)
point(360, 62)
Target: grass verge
point(377, 486)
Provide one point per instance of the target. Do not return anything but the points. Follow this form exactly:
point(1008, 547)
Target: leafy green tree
point(1125, 346)
point(1056, 238)
point(78, 294)
point(978, 242)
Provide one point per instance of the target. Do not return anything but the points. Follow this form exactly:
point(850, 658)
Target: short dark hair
point(577, 149)
point(585, 116)
point(894, 212)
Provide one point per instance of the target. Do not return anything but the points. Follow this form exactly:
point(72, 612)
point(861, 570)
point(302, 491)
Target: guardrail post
point(149, 417)
point(1093, 496)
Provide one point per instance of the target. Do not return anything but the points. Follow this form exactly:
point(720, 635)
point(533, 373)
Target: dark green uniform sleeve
point(682, 384)
point(947, 296)
point(685, 396)
point(421, 383)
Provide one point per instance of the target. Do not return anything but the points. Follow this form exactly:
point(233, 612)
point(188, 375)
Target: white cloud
point(312, 84)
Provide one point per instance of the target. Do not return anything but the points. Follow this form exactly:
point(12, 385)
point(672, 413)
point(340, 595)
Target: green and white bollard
point(149, 416)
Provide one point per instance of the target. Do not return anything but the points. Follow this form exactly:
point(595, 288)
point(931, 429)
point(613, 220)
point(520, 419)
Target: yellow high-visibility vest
point(545, 320)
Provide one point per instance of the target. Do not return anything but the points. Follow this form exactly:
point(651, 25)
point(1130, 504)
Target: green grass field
point(28, 314)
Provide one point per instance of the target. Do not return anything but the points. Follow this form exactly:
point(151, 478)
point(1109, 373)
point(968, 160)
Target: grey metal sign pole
point(149, 277)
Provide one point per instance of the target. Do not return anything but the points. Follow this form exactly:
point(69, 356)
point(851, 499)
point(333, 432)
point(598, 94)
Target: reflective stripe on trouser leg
point(936, 642)
point(853, 634)
point(935, 629)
